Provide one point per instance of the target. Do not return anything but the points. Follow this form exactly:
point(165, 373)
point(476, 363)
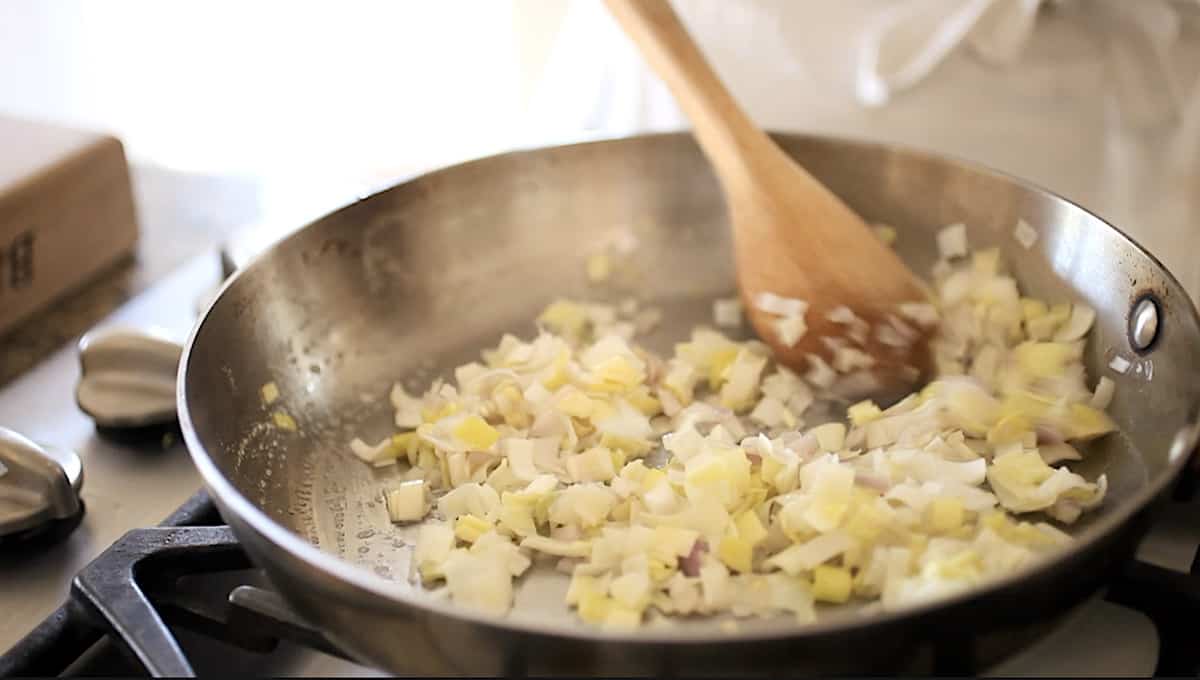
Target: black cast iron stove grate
point(137, 593)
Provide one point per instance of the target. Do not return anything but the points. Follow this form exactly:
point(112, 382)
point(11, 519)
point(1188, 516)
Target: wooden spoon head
point(793, 237)
point(817, 250)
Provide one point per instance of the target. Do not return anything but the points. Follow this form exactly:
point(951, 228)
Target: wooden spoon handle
point(727, 135)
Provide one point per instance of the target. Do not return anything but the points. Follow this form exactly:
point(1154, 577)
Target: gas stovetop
point(197, 604)
point(132, 480)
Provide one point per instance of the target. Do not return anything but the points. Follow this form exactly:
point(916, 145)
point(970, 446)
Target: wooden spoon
point(792, 236)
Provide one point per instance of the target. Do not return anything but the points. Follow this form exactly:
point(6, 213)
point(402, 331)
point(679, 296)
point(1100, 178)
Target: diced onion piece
point(736, 553)
point(770, 412)
point(945, 514)
point(1119, 364)
point(1103, 395)
point(520, 455)
point(467, 374)
point(986, 263)
point(1045, 359)
point(787, 387)
point(583, 505)
point(952, 241)
point(499, 549)
point(750, 528)
point(921, 313)
point(684, 442)
point(551, 546)
point(564, 317)
point(1058, 452)
point(631, 590)
point(1077, 325)
point(803, 557)
point(727, 312)
point(479, 582)
point(681, 379)
point(830, 436)
point(819, 373)
point(408, 408)
point(593, 465)
point(831, 584)
point(863, 412)
point(850, 359)
point(470, 499)
point(1082, 422)
point(434, 543)
point(1024, 483)
point(889, 336)
point(915, 496)
point(741, 384)
point(409, 502)
point(661, 499)
point(791, 594)
point(1025, 234)
point(468, 528)
point(833, 343)
point(475, 434)
point(903, 329)
point(790, 330)
point(843, 315)
point(1071, 505)
point(625, 423)
point(382, 452)
point(771, 303)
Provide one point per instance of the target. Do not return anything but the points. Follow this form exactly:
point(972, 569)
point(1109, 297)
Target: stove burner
point(148, 565)
point(154, 578)
point(144, 582)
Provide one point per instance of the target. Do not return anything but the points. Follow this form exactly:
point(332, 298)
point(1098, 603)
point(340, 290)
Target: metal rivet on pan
point(1143, 323)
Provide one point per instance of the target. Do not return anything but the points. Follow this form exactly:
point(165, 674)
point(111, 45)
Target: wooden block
point(66, 213)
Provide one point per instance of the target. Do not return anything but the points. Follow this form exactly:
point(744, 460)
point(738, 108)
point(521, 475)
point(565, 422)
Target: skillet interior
point(415, 280)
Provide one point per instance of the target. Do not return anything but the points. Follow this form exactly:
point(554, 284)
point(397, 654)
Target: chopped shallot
point(1025, 234)
point(713, 482)
point(727, 313)
point(952, 241)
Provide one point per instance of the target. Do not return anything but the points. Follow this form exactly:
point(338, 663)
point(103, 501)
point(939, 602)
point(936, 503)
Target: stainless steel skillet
point(414, 280)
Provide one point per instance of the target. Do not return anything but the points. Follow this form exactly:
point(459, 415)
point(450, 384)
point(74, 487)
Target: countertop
point(181, 215)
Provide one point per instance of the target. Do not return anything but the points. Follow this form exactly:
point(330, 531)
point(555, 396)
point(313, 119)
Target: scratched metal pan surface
point(410, 282)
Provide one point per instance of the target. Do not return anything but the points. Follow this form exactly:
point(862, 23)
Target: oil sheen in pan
point(344, 513)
